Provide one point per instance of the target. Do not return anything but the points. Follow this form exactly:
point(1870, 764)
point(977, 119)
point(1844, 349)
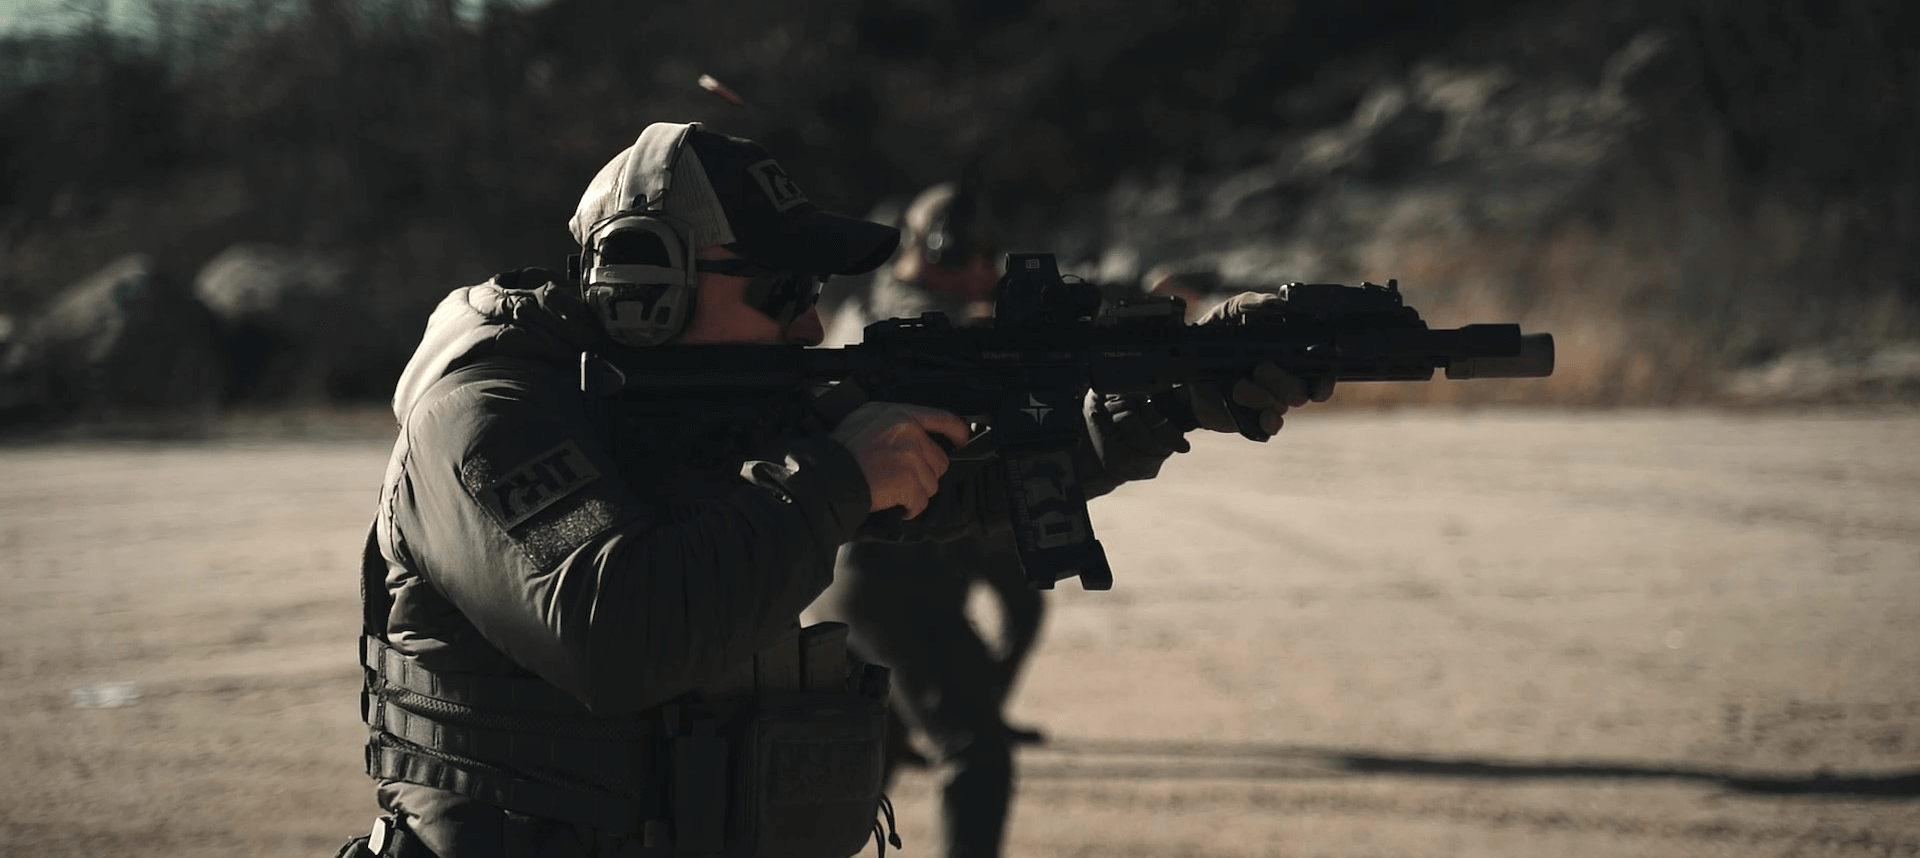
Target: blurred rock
point(123, 342)
point(1442, 147)
point(1268, 141)
point(1646, 67)
point(1887, 373)
point(296, 325)
point(1389, 136)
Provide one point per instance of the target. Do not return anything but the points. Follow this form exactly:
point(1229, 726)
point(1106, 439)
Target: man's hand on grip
point(895, 447)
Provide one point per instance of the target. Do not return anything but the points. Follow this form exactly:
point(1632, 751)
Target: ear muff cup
point(639, 279)
point(634, 247)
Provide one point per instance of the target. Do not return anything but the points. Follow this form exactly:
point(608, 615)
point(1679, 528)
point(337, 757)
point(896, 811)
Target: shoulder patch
point(537, 484)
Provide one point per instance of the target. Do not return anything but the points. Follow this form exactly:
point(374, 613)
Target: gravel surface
point(1414, 633)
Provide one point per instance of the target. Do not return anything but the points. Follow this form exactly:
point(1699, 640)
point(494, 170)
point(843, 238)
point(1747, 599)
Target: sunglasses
point(782, 295)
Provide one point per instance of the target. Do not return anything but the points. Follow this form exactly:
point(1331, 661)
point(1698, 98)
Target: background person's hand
point(895, 448)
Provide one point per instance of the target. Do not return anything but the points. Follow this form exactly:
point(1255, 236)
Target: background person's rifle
point(1024, 376)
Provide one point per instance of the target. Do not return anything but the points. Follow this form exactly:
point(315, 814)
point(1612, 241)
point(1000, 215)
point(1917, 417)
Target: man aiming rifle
point(612, 496)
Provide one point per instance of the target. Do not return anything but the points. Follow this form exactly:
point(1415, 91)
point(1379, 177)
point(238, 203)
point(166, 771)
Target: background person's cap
point(729, 191)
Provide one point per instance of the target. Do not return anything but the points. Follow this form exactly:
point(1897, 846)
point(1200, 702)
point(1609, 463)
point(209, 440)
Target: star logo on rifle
point(1036, 409)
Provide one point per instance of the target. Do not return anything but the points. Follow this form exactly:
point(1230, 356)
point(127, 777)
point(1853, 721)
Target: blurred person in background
point(907, 602)
point(581, 623)
point(949, 262)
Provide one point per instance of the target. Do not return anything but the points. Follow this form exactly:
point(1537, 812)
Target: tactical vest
point(785, 756)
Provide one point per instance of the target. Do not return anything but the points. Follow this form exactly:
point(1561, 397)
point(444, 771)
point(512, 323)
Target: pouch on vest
point(792, 769)
point(809, 776)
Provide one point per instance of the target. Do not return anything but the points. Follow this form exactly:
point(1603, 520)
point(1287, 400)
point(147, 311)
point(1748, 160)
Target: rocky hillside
point(1705, 200)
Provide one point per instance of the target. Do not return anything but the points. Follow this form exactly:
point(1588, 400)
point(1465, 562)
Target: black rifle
point(1024, 375)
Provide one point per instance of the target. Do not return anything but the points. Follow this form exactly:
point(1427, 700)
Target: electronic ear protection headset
point(637, 268)
point(638, 276)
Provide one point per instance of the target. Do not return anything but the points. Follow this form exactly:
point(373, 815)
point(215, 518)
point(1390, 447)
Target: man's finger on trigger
point(933, 420)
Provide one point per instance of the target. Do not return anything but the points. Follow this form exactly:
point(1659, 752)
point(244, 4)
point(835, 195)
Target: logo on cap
point(780, 190)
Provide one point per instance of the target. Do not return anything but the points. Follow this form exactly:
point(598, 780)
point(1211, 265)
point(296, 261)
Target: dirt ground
point(1409, 634)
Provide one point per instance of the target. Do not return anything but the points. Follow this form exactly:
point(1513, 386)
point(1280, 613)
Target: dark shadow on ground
point(1075, 759)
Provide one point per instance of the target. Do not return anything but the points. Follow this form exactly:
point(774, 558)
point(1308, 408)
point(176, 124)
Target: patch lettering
point(780, 189)
point(537, 484)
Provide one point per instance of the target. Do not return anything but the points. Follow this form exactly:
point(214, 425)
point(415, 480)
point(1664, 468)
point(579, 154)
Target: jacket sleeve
point(512, 510)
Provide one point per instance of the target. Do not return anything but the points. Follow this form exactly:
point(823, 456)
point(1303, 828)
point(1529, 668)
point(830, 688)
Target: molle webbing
point(515, 742)
point(514, 694)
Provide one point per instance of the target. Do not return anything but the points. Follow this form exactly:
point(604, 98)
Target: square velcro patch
point(537, 484)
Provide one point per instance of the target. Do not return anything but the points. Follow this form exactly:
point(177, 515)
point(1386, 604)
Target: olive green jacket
point(513, 543)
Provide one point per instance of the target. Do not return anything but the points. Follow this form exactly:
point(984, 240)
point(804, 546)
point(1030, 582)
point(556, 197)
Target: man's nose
point(807, 330)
